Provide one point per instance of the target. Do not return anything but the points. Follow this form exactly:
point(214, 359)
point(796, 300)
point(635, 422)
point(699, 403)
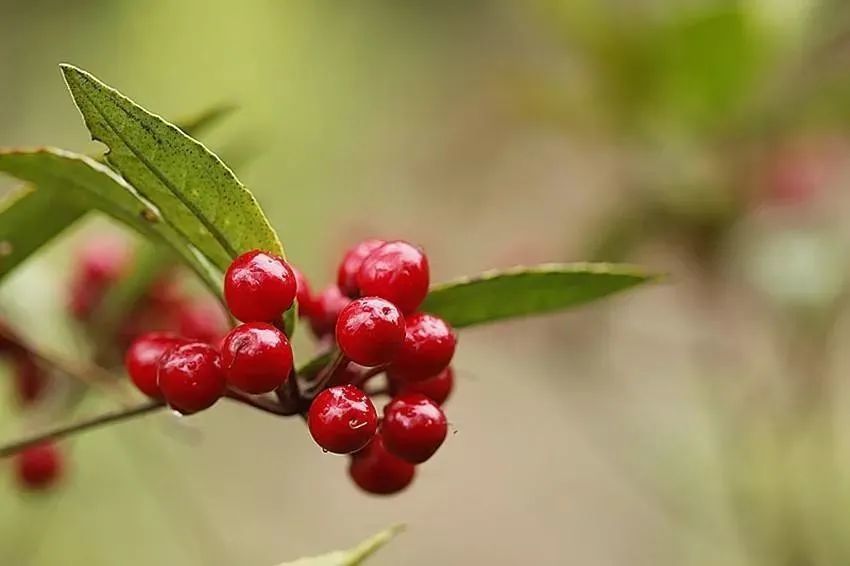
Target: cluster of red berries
point(254, 357)
point(373, 310)
point(373, 315)
point(103, 262)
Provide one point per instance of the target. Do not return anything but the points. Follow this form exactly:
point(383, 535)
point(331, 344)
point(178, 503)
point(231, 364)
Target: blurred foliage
point(708, 137)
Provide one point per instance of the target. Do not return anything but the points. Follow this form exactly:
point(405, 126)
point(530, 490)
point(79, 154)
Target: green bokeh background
point(492, 133)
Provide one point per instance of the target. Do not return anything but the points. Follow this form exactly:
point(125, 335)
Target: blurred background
point(701, 421)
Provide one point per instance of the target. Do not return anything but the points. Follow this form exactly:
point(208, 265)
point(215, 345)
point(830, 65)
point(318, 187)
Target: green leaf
point(196, 193)
point(353, 557)
point(314, 366)
point(80, 182)
point(29, 218)
point(524, 291)
point(521, 291)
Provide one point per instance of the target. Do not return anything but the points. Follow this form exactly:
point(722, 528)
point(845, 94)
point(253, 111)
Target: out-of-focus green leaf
point(195, 123)
point(353, 557)
point(193, 189)
point(82, 183)
point(195, 192)
point(29, 218)
point(524, 291)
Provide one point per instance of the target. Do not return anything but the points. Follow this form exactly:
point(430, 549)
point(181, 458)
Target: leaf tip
point(372, 545)
point(68, 69)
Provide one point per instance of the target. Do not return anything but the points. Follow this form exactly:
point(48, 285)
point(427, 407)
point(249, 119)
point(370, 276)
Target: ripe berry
point(342, 419)
point(259, 287)
point(164, 293)
point(376, 471)
point(303, 294)
point(30, 380)
point(398, 272)
point(324, 310)
point(414, 427)
point(346, 277)
point(99, 264)
point(103, 260)
point(370, 331)
point(204, 321)
point(256, 357)
point(190, 377)
point(142, 360)
point(38, 467)
point(437, 388)
point(429, 345)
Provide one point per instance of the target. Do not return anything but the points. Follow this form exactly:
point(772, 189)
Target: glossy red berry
point(190, 377)
point(346, 277)
point(398, 272)
point(39, 467)
point(370, 331)
point(259, 287)
point(437, 388)
point(414, 427)
point(325, 309)
point(256, 358)
point(429, 345)
point(141, 360)
point(342, 419)
point(204, 321)
point(376, 471)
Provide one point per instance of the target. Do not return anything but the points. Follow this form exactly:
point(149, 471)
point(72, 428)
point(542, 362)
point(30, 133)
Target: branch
point(63, 431)
point(261, 403)
point(91, 375)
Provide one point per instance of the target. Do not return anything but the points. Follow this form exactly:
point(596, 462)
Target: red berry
point(259, 287)
point(414, 427)
point(324, 310)
point(370, 331)
point(346, 277)
point(84, 299)
point(348, 373)
point(256, 358)
point(38, 467)
point(30, 380)
point(203, 321)
point(103, 260)
point(376, 471)
point(99, 264)
point(342, 419)
point(303, 294)
point(429, 345)
point(398, 272)
point(190, 377)
point(164, 293)
point(437, 388)
point(143, 356)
